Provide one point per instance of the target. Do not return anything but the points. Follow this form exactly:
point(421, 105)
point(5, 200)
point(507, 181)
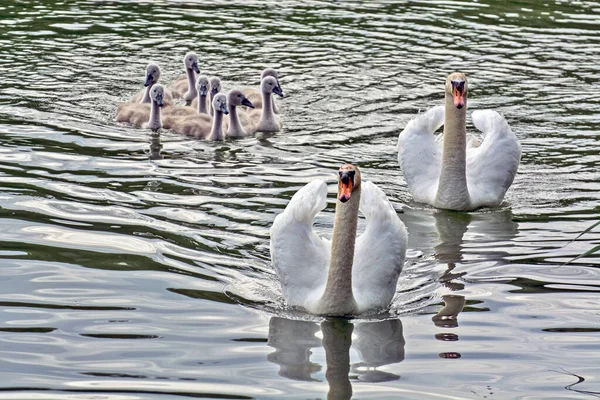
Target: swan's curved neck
point(452, 190)
point(216, 132)
point(235, 126)
point(192, 93)
point(267, 110)
point(146, 98)
point(155, 121)
point(338, 297)
point(202, 108)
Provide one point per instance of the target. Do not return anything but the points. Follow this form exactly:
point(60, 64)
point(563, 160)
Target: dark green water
point(136, 267)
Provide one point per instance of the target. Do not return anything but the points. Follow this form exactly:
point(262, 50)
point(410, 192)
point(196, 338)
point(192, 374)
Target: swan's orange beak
point(458, 94)
point(345, 189)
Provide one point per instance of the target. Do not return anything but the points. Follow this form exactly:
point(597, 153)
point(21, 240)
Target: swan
point(186, 86)
point(255, 96)
point(265, 119)
point(215, 87)
point(152, 76)
point(201, 126)
point(202, 85)
point(141, 114)
point(239, 126)
point(453, 176)
point(347, 275)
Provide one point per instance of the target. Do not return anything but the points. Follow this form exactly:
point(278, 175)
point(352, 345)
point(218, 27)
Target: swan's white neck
point(155, 121)
point(192, 92)
point(268, 121)
point(338, 297)
point(452, 190)
point(216, 132)
point(146, 98)
point(202, 107)
point(235, 126)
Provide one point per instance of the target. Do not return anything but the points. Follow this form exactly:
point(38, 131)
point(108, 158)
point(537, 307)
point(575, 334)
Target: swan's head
point(215, 85)
point(190, 61)
point(348, 181)
point(220, 103)
point(236, 98)
point(270, 72)
point(270, 85)
point(152, 74)
point(202, 85)
point(457, 87)
point(156, 94)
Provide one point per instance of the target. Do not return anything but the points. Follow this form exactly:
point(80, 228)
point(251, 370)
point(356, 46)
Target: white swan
point(452, 176)
point(347, 275)
point(239, 126)
point(152, 76)
point(255, 96)
point(202, 86)
point(186, 86)
point(265, 119)
point(145, 115)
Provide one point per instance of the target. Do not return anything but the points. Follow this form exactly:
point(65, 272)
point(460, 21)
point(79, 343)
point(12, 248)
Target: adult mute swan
point(186, 86)
point(152, 76)
point(265, 120)
point(453, 176)
point(347, 275)
point(147, 116)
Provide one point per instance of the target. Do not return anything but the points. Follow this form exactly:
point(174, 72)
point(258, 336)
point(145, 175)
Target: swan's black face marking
point(346, 185)
point(458, 92)
point(214, 90)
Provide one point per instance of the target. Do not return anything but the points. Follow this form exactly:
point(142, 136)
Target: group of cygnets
point(207, 113)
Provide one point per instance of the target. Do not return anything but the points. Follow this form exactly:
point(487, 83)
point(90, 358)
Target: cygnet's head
point(348, 181)
point(156, 94)
point(152, 74)
point(457, 87)
point(220, 103)
point(202, 85)
point(270, 72)
point(215, 85)
point(190, 61)
point(270, 85)
point(236, 98)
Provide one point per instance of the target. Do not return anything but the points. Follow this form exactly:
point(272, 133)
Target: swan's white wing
point(420, 156)
point(491, 167)
point(380, 251)
point(298, 254)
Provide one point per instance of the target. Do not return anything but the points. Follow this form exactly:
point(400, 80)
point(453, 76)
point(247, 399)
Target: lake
point(137, 266)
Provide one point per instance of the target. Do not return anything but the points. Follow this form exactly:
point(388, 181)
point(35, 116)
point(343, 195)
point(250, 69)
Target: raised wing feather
point(420, 156)
point(300, 257)
point(492, 166)
point(380, 250)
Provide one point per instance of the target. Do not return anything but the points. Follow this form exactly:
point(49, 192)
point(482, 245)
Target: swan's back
point(133, 113)
point(492, 166)
point(380, 251)
point(300, 257)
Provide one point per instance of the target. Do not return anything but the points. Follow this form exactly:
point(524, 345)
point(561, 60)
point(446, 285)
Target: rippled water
point(136, 266)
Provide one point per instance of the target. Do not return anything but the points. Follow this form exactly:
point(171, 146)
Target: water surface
point(137, 266)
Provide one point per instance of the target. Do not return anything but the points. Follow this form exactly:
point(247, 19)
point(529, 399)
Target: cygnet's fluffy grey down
point(255, 95)
point(265, 120)
point(142, 114)
point(185, 86)
point(201, 126)
point(240, 124)
point(151, 78)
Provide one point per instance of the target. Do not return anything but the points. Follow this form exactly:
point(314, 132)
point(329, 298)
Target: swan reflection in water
point(377, 343)
point(155, 147)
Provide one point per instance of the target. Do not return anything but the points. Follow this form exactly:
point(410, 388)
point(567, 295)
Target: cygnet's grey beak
point(159, 101)
point(214, 90)
point(247, 103)
point(148, 80)
point(195, 67)
point(203, 90)
point(277, 90)
point(224, 109)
